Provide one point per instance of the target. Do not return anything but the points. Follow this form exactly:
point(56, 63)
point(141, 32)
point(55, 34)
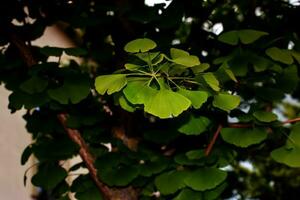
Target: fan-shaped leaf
point(166, 104)
point(212, 81)
point(243, 137)
point(264, 116)
point(289, 154)
point(140, 45)
point(205, 178)
point(195, 125)
point(226, 102)
point(110, 83)
point(196, 97)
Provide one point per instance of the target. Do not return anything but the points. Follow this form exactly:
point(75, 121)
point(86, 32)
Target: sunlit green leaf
point(226, 102)
point(212, 81)
point(140, 45)
point(110, 83)
point(196, 97)
point(176, 53)
point(200, 68)
point(166, 104)
point(188, 61)
point(264, 116)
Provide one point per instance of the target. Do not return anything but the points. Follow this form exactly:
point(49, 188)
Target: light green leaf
point(110, 83)
point(188, 61)
point(124, 103)
point(147, 57)
point(248, 36)
point(195, 125)
point(289, 154)
point(131, 67)
point(281, 55)
point(212, 81)
point(34, 85)
point(264, 116)
point(166, 104)
point(243, 137)
point(200, 68)
point(205, 178)
point(176, 53)
point(230, 37)
point(140, 45)
point(196, 97)
point(226, 102)
point(170, 182)
point(137, 92)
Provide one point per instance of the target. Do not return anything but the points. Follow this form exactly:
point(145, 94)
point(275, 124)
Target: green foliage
point(159, 104)
point(243, 137)
point(288, 154)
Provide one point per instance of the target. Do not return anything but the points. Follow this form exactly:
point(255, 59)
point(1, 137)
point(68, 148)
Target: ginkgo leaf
point(289, 153)
point(165, 103)
point(248, 36)
point(140, 45)
point(131, 67)
point(74, 89)
point(196, 97)
point(243, 137)
point(264, 116)
point(188, 61)
point(205, 178)
point(212, 81)
point(110, 83)
point(200, 68)
point(230, 37)
point(281, 55)
point(194, 125)
point(137, 92)
point(163, 181)
point(176, 53)
point(226, 102)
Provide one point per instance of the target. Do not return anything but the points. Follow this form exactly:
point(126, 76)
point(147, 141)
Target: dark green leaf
point(243, 137)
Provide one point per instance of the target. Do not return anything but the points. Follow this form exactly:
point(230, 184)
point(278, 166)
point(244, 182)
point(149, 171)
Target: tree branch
point(74, 135)
point(213, 141)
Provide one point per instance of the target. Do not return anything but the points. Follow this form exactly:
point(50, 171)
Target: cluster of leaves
point(165, 86)
point(163, 98)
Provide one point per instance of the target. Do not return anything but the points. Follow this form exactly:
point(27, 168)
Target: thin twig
point(213, 140)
